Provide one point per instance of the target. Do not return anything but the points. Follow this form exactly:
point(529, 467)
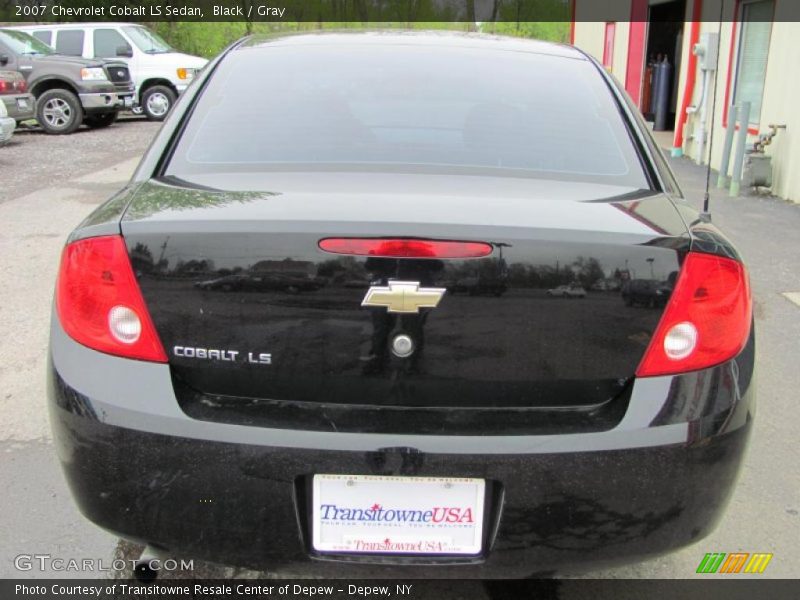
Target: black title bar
point(369, 11)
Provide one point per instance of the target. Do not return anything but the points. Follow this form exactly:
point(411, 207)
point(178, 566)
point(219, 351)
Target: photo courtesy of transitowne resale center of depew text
point(426, 299)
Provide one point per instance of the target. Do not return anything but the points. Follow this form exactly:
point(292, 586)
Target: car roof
point(452, 39)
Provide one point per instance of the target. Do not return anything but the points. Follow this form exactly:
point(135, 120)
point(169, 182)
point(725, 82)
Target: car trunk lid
point(248, 306)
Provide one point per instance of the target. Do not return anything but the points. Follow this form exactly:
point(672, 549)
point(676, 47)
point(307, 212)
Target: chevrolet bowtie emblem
point(403, 297)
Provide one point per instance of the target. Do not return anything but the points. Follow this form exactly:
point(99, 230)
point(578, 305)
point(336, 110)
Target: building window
point(751, 66)
point(608, 45)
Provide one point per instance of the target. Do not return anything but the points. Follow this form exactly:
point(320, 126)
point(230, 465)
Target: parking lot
point(50, 183)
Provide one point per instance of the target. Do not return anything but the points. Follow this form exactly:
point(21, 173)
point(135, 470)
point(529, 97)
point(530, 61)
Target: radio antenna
point(706, 195)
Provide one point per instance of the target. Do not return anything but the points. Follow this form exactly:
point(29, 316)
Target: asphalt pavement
point(49, 184)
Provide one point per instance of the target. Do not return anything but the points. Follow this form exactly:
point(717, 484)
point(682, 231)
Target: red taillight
point(405, 248)
point(13, 86)
point(99, 303)
point(707, 320)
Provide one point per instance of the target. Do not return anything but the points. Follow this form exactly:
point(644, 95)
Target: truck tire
point(59, 111)
point(101, 120)
point(157, 102)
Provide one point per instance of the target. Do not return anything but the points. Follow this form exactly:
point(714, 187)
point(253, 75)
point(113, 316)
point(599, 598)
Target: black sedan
point(394, 427)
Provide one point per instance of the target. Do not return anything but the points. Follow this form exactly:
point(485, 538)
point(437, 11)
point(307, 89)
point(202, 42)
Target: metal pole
point(722, 180)
point(738, 156)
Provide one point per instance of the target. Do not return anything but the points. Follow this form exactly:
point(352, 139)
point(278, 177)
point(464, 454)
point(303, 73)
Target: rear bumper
point(21, 107)
point(140, 468)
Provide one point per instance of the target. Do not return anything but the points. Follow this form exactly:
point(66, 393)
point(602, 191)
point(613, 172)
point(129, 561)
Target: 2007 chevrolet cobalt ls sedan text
point(330, 403)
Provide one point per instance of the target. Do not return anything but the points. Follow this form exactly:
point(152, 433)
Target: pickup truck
point(159, 72)
point(68, 90)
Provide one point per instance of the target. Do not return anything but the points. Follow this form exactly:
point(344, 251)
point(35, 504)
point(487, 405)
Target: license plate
point(397, 515)
point(128, 101)
point(22, 103)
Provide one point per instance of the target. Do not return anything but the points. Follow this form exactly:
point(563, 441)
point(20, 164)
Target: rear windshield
point(409, 108)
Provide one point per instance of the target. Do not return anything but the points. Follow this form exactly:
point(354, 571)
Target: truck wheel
point(156, 102)
point(59, 111)
point(101, 120)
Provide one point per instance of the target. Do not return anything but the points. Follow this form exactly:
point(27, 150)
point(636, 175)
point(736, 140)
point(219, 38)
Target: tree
point(588, 271)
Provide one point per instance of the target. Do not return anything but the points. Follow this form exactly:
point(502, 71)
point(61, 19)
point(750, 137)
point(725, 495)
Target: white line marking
point(792, 297)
